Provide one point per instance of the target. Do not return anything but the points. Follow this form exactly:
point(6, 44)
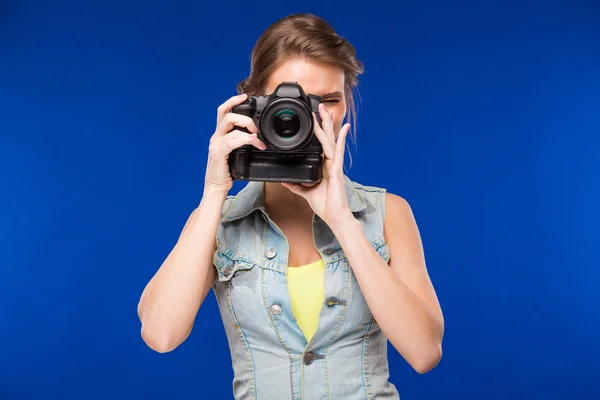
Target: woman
point(311, 281)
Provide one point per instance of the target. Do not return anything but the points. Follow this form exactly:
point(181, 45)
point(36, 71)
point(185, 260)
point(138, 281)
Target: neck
point(280, 201)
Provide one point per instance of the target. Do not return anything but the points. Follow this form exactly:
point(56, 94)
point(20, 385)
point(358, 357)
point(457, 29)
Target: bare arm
point(399, 294)
point(171, 300)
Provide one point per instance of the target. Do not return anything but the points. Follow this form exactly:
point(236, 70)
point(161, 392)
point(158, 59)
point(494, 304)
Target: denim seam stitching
point(341, 321)
point(382, 200)
point(327, 263)
point(234, 199)
point(234, 255)
point(244, 341)
point(264, 241)
point(366, 382)
point(369, 189)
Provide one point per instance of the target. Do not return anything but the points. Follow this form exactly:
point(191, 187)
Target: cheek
point(339, 112)
point(339, 115)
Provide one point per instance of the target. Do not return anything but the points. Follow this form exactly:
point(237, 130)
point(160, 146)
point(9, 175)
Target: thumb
point(295, 188)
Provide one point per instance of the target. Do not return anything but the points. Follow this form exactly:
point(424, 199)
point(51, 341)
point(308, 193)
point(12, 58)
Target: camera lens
point(286, 123)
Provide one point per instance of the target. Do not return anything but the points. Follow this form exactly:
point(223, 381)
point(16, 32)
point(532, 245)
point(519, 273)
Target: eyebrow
point(338, 93)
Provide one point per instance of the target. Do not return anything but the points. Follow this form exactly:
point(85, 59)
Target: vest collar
point(251, 198)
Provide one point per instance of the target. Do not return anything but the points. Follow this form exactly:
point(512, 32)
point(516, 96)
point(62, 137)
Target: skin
point(291, 212)
point(399, 293)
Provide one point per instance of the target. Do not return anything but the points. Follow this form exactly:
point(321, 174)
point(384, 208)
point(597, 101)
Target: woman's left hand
point(328, 198)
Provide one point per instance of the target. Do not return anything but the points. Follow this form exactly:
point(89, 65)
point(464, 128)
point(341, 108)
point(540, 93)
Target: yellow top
point(307, 293)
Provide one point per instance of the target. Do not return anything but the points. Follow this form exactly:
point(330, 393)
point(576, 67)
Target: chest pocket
point(338, 254)
point(238, 290)
point(229, 266)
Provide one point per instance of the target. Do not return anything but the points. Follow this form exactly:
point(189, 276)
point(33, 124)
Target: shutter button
point(271, 252)
point(276, 309)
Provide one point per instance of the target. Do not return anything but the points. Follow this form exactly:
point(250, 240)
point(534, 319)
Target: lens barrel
point(286, 123)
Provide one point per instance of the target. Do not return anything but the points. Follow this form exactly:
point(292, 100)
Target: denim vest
point(347, 356)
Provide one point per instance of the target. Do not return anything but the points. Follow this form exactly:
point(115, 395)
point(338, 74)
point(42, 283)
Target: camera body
point(285, 124)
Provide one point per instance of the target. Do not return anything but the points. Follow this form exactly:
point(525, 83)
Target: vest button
point(332, 301)
point(270, 253)
point(309, 358)
point(276, 309)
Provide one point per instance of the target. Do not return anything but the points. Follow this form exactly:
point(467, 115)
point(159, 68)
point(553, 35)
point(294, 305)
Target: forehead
point(315, 78)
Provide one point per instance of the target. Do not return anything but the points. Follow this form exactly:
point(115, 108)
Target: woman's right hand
point(224, 140)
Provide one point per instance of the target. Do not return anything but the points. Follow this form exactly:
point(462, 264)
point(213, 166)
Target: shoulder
point(396, 209)
point(368, 199)
point(392, 201)
point(399, 220)
point(396, 206)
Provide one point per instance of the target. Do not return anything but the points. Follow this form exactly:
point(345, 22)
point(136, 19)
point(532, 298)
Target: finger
point(255, 142)
point(327, 118)
point(340, 146)
point(224, 108)
point(326, 141)
point(295, 188)
point(331, 125)
point(232, 120)
point(236, 139)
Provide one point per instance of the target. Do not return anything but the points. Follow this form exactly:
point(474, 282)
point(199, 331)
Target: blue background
point(483, 115)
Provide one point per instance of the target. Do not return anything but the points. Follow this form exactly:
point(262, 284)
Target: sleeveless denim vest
point(347, 357)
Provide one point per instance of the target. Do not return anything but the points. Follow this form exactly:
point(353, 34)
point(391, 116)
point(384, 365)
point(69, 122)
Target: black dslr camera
point(285, 124)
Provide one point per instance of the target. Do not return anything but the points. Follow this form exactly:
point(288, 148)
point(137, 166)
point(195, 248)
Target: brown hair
point(306, 36)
